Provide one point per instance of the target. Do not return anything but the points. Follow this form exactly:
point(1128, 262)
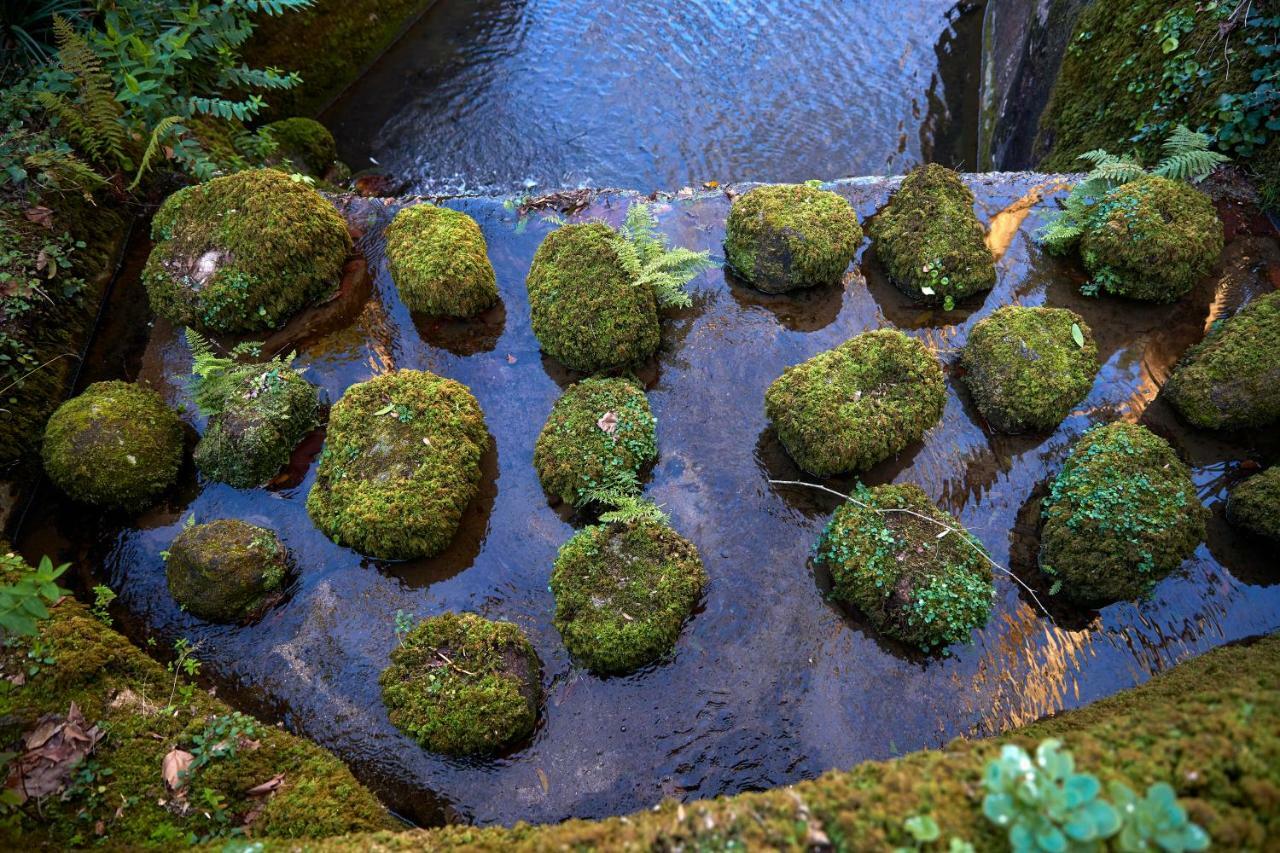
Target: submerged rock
point(599, 432)
point(305, 143)
point(1151, 239)
point(116, 445)
point(929, 240)
point(1231, 379)
point(1254, 505)
point(440, 262)
point(788, 236)
point(463, 685)
point(1121, 514)
point(622, 592)
point(243, 252)
point(400, 464)
point(227, 570)
point(850, 407)
point(888, 559)
point(1025, 369)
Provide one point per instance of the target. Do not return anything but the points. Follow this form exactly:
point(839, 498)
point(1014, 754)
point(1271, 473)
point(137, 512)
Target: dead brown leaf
point(546, 783)
point(52, 750)
point(40, 215)
point(608, 422)
point(266, 787)
point(174, 769)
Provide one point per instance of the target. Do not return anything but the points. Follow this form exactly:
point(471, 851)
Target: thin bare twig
point(445, 658)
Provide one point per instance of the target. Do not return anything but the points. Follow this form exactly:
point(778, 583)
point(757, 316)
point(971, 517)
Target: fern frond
point(642, 250)
point(1189, 165)
point(1182, 139)
point(158, 133)
point(1117, 172)
point(98, 129)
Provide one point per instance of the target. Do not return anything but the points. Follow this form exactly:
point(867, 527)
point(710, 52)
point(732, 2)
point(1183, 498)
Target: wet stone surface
point(769, 683)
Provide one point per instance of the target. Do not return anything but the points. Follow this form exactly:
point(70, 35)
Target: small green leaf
point(926, 290)
point(385, 410)
point(1077, 335)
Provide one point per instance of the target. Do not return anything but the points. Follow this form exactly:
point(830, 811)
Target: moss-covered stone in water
point(787, 236)
point(622, 592)
point(1254, 505)
point(400, 464)
point(1121, 514)
point(890, 563)
point(850, 407)
point(581, 447)
point(116, 445)
point(252, 436)
point(463, 685)
point(1231, 379)
point(243, 252)
point(226, 570)
point(1025, 369)
point(586, 311)
point(305, 143)
point(440, 262)
point(929, 239)
point(1151, 239)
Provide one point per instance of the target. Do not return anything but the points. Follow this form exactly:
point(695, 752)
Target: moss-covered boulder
point(226, 570)
point(116, 445)
point(267, 410)
point(400, 464)
point(1254, 505)
point(600, 431)
point(1028, 367)
point(1231, 379)
point(1121, 514)
point(850, 407)
point(440, 262)
point(243, 252)
point(929, 239)
point(1150, 239)
point(622, 592)
point(888, 559)
point(463, 685)
point(305, 143)
point(586, 310)
point(787, 236)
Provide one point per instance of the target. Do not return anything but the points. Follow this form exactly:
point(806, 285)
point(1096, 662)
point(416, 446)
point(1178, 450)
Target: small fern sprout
point(214, 378)
point(644, 253)
point(620, 491)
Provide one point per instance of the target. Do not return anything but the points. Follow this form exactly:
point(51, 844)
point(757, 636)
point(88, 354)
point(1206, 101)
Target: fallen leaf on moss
point(40, 215)
point(174, 768)
point(608, 422)
point(266, 787)
point(54, 748)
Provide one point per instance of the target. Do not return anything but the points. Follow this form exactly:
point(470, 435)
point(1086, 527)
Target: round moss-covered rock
point(1254, 505)
point(622, 592)
point(887, 560)
point(787, 236)
point(267, 409)
point(305, 143)
point(1121, 514)
point(1151, 239)
point(116, 445)
point(440, 262)
point(586, 310)
point(463, 685)
point(599, 430)
point(929, 239)
point(227, 570)
point(244, 252)
point(1028, 367)
point(850, 407)
point(1231, 379)
point(400, 464)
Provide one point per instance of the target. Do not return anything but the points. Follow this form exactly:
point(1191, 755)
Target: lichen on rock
point(227, 570)
point(439, 262)
point(305, 143)
point(115, 445)
point(462, 685)
point(853, 406)
point(1121, 515)
point(1254, 505)
point(787, 236)
point(400, 464)
point(243, 252)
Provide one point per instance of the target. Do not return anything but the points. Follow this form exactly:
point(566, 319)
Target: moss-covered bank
point(1254, 505)
point(787, 236)
point(226, 570)
point(439, 262)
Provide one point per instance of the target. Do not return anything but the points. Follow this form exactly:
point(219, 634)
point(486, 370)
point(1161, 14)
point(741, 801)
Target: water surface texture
point(500, 95)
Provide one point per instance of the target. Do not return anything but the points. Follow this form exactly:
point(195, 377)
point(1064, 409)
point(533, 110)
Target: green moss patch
point(400, 464)
point(1121, 514)
point(586, 311)
point(1025, 368)
point(440, 262)
point(226, 570)
point(600, 432)
point(116, 445)
point(463, 685)
point(888, 560)
point(929, 240)
point(250, 438)
point(850, 407)
point(1151, 239)
point(1231, 379)
point(1254, 505)
point(787, 236)
point(243, 252)
point(305, 143)
point(622, 592)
